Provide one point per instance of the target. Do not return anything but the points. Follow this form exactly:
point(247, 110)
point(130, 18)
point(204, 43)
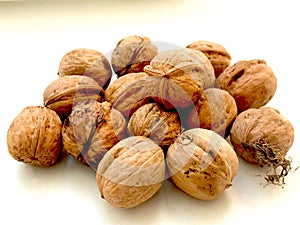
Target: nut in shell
point(216, 53)
point(86, 62)
point(202, 163)
point(34, 136)
point(131, 172)
point(132, 54)
point(91, 130)
point(64, 92)
point(252, 83)
point(156, 123)
point(214, 110)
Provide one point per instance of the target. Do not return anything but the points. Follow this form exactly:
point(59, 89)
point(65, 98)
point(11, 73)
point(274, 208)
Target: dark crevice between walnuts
point(271, 157)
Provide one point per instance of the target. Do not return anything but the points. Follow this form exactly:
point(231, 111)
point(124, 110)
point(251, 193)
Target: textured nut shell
point(266, 124)
point(183, 64)
point(214, 110)
point(34, 136)
point(202, 163)
point(87, 62)
point(91, 130)
point(154, 122)
point(216, 53)
point(126, 94)
point(252, 83)
point(64, 92)
point(131, 172)
point(132, 54)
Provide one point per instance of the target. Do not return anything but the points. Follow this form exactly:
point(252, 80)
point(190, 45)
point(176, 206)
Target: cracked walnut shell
point(131, 172)
point(91, 130)
point(34, 136)
point(202, 163)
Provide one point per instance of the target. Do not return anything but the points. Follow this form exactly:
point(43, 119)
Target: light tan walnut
point(252, 83)
point(202, 163)
point(131, 55)
point(64, 92)
point(156, 123)
point(34, 136)
point(91, 130)
point(86, 62)
point(131, 172)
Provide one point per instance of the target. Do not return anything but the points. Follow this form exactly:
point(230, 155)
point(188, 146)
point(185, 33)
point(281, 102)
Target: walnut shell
point(128, 93)
point(216, 53)
point(34, 136)
point(132, 54)
point(202, 163)
point(64, 92)
point(87, 62)
point(156, 123)
point(252, 83)
point(264, 125)
point(91, 130)
point(214, 110)
point(131, 172)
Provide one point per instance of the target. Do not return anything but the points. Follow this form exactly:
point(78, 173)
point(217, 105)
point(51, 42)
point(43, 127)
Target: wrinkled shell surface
point(34, 136)
point(91, 130)
point(87, 62)
point(132, 54)
point(63, 93)
point(131, 172)
point(156, 123)
point(216, 53)
point(254, 125)
point(202, 163)
point(214, 110)
point(252, 83)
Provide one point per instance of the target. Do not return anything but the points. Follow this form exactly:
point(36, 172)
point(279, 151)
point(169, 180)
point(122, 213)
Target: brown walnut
point(86, 62)
point(64, 92)
point(156, 123)
point(214, 110)
point(131, 55)
point(202, 163)
point(252, 83)
point(216, 53)
point(91, 130)
point(131, 172)
point(34, 136)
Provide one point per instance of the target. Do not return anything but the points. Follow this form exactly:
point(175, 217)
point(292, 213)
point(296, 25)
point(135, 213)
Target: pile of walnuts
point(184, 114)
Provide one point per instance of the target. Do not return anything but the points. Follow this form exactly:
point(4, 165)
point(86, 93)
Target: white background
point(35, 35)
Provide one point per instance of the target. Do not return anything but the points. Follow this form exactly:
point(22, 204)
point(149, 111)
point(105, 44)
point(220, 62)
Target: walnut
point(64, 92)
point(174, 79)
point(156, 123)
point(87, 62)
point(216, 53)
point(255, 126)
point(91, 130)
point(252, 83)
point(131, 172)
point(202, 163)
point(131, 55)
point(34, 136)
point(214, 110)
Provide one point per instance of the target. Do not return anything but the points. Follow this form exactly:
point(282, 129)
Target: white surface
point(33, 38)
